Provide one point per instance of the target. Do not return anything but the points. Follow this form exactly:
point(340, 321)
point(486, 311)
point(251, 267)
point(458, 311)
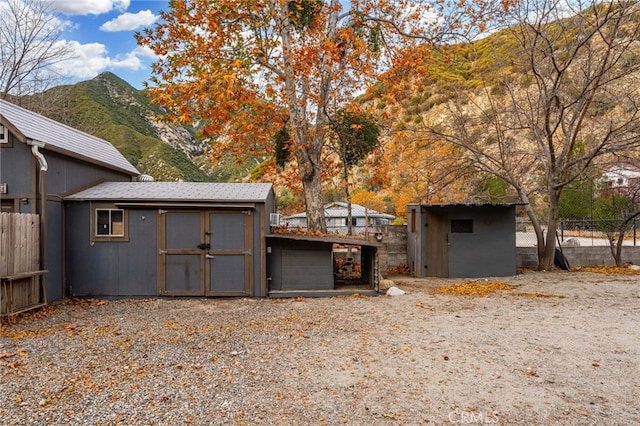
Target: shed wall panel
point(111, 268)
point(490, 249)
point(299, 265)
point(307, 270)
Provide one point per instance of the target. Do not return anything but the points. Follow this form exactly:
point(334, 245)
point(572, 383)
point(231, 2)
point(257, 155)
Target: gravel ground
point(560, 348)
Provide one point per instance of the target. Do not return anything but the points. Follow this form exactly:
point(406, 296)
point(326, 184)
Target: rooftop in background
point(339, 209)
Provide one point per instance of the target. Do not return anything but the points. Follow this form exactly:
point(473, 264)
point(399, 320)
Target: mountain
point(109, 108)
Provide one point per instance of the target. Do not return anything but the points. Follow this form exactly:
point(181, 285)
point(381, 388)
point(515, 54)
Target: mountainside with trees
point(110, 108)
point(551, 100)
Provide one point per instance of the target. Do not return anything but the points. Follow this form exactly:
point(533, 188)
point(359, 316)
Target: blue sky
point(101, 35)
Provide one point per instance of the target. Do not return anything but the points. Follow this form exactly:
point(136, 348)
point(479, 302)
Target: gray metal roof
point(468, 204)
point(175, 191)
point(329, 239)
point(64, 139)
point(339, 209)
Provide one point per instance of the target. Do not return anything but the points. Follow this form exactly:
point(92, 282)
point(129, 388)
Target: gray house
point(41, 160)
point(461, 240)
point(168, 239)
point(336, 218)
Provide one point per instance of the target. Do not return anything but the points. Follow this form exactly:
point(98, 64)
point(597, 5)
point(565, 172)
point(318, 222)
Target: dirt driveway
point(559, 348)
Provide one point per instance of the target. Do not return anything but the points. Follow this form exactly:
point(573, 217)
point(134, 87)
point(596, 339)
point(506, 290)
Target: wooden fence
point(21, 280)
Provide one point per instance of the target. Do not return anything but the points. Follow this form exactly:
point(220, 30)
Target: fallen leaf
point(473, 288)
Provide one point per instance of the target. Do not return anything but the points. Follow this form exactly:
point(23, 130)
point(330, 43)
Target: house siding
point(67, 174)
point(20, 170)
point(15, 161)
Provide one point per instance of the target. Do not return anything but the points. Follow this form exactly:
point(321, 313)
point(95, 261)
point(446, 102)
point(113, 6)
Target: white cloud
point(88, 60)
point(146, 52)
point(130, 21)
point(89, 7)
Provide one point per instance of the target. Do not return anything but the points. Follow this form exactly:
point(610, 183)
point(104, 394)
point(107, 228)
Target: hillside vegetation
point(110, 108)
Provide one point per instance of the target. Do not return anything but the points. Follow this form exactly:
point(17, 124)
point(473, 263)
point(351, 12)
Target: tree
point(354, 137)
point(558, 93)
point(29, 44)
point(243, 69)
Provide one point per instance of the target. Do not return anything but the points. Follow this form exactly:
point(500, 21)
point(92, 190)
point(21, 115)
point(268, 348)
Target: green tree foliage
point(356, 136)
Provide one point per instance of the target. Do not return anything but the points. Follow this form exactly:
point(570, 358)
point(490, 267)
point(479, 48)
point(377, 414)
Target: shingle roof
point(339, 209)
point(64, 139)
point(175, 191)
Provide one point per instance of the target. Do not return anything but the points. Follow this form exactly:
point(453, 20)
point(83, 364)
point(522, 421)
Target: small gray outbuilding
point(461, 240)
point(304, 265)
point(168, 239)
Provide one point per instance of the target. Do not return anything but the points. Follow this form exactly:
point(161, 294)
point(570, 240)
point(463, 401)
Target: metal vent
point(145, 178)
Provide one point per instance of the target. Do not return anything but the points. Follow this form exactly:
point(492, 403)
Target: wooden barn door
point(205, 253)
point(437, 256)
point(230, 258)
point(181, 254)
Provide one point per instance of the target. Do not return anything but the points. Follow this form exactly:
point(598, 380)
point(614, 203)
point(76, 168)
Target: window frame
point(100, 207)
point(7, 140)
point(462, 226)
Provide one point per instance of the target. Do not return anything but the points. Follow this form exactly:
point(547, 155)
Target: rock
point(395, 291)
point(571, 242)
point(385, 285)
point(634, 267)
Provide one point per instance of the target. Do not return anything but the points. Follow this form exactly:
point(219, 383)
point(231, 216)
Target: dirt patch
point(557, 348)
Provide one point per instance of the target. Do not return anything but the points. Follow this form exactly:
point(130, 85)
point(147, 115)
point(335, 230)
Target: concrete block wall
point(394, 246)
point(527, 257)
point(394, 252)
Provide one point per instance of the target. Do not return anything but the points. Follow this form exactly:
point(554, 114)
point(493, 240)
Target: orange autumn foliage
point(240, 70)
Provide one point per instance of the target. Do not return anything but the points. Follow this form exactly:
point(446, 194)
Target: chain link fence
point(580, 232)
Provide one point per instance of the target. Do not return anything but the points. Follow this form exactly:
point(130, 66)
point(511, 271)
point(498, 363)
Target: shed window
point(462, 226)
point(109, 224)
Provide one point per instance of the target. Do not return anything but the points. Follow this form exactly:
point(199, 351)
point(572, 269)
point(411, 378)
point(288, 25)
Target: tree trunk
point(312, 187)
point(537, 227)
point(546, 262)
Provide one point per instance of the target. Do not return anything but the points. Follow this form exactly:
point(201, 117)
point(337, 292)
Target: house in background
point(336, 217)
point(623, 178)
point(461, 240)
point(41, 160)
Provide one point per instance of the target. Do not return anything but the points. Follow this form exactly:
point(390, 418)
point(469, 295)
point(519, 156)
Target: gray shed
point(168, 238)
point(461, 240)
point(303, 265)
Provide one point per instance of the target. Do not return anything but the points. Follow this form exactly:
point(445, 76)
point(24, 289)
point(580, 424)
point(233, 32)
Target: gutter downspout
point(42, 174)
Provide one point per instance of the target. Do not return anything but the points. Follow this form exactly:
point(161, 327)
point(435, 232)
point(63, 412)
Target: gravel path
point(560, 348)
